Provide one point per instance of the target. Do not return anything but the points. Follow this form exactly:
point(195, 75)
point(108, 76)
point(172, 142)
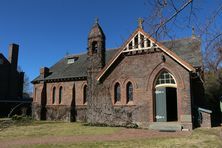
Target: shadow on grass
point(15, 121)
point(127, 125)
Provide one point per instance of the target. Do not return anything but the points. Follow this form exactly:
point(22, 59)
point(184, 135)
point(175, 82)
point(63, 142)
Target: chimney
point(44, 72)
point(13, 55)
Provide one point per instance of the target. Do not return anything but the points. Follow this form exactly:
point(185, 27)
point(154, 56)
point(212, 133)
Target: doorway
point(165, 102)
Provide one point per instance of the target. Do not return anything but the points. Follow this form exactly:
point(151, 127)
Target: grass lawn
point(50, 128)
point(46, 130)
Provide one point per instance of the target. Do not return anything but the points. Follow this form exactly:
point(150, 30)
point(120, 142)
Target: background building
point(11, 81)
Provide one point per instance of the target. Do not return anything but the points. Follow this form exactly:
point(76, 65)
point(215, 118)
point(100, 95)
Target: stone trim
point(130, 80)
point(158, 69)
point(124, 105)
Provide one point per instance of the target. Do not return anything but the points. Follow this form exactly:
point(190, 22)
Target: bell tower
point(96, 48)
point(95, 62)
point(96, 52)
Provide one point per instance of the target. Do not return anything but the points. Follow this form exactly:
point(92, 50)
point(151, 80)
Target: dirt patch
point(123, 134)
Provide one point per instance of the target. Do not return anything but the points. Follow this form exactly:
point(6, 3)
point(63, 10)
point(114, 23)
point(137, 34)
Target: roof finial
point(193, 31)
point(96, 20)
point(140, 22)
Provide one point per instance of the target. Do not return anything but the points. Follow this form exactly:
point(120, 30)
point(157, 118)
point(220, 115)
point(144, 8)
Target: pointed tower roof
point(96, 31)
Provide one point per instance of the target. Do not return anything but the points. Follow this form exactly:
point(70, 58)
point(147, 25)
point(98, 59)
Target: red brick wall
point(37, 89)
point(142, 71)
point(67, 92)
point(70, 89)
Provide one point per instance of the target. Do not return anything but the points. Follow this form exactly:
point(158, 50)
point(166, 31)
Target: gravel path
point(123, 134)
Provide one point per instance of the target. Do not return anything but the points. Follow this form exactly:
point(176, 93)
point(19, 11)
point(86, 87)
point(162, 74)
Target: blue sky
point(48, 29)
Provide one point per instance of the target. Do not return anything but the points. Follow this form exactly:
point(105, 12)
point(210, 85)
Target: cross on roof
point(193, 31)
point(96, 20)
point(140, 22)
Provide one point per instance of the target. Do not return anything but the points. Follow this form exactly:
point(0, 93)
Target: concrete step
point(166, 126)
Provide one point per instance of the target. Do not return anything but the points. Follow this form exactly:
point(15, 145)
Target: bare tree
point(170, 15)
point(26, 85)
point(164, 14)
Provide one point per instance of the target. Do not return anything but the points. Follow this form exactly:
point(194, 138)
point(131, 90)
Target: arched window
point(117, 94)
point(129, 92)
point(94, 46)
point(73, 96)
point(85, 94)
point(60, 95)
point(53, 95)
point(165, 78)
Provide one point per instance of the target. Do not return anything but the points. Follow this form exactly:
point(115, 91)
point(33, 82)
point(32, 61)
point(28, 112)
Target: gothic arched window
point(117, 93)
point(85, 94)
point(60, 95)
point(129, 92)
point(53, 95)
point(73, 95)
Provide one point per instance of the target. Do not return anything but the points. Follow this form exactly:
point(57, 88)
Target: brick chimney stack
point(13, 55)
point(44, 72)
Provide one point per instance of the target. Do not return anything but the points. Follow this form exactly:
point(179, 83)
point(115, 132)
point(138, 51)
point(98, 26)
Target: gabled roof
point(63, 70)
point(186, 50)
point(129, 45)
point(189, 49)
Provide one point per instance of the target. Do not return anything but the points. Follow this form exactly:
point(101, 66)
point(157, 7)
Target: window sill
point(56, 105)
point(118, 103)
point(123, 105)
point(130, 103)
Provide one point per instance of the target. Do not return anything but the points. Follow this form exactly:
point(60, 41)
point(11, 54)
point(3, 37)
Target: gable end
point(140, 41)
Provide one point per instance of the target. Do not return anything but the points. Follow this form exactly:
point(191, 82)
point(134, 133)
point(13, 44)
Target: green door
point(161, 110)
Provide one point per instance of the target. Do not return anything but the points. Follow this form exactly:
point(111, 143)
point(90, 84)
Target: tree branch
point(175, 14)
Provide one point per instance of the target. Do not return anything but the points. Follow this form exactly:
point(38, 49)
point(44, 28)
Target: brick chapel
point(144, 82)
